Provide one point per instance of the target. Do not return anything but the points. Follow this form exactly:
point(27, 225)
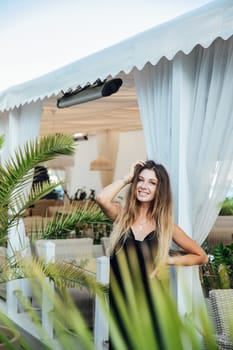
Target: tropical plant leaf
point(64, 222)
point(226, 207)
point(16, 173)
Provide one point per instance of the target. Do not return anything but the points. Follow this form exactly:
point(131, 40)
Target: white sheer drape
point(208, 142)
point(210, 146)
point(19, 126)
point(154, 88)
point(186, 108)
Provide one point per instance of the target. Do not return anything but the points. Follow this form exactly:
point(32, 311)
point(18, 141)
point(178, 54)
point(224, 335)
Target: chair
point(221, 305)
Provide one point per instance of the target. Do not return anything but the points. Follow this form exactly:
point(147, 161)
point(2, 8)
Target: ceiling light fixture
point(79, 136)
point(89, 92)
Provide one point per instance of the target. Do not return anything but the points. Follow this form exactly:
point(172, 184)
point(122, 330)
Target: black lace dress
point(135, 260)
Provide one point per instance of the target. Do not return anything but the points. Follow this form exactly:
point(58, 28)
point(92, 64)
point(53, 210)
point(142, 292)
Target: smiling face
point(146, 185)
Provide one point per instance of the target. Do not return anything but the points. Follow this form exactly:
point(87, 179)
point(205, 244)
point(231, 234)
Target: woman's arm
point(195, 255)
point(106, 197)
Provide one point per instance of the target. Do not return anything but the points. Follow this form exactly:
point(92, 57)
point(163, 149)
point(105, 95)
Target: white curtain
point(210, 146)
point(19, 126)
point(186, 108)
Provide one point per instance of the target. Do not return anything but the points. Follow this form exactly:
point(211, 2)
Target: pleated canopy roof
point(201, 26)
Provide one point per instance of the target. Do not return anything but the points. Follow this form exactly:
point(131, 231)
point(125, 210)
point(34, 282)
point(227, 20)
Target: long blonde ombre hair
point(161, 209)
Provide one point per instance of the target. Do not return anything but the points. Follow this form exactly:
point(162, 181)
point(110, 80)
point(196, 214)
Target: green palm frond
point(70, 328)
point(63, 274)
point(22, 200)
point(63, 223)
point(66, 274)
point(15, 173)
point(19, 203)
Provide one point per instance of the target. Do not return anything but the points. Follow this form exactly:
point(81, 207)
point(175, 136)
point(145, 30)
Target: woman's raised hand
point(129, 177)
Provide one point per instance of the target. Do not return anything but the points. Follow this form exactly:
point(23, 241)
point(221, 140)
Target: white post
point(11, 298)
point(47, 307)
point(101, 323)
point(47, 304)
point(49, 251)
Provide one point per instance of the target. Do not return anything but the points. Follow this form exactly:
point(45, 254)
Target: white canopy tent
point(200, 26)
point(182, 74)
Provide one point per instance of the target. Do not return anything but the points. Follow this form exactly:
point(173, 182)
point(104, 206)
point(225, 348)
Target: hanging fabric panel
point(208, 135)
point(186, 108)
point(19, 126)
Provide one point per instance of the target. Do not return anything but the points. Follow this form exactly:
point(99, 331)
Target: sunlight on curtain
point(210, 146)
point(186, 108)
point(154, 92)
point(208, 153)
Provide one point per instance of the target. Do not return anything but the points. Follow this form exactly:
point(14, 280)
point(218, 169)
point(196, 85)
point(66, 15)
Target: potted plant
point(218, 273)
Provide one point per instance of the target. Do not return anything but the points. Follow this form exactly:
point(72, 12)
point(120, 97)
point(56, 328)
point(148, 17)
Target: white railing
point(100, 322)
point(23, 319)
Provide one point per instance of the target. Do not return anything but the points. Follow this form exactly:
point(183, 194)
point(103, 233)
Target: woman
point(144, 228)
